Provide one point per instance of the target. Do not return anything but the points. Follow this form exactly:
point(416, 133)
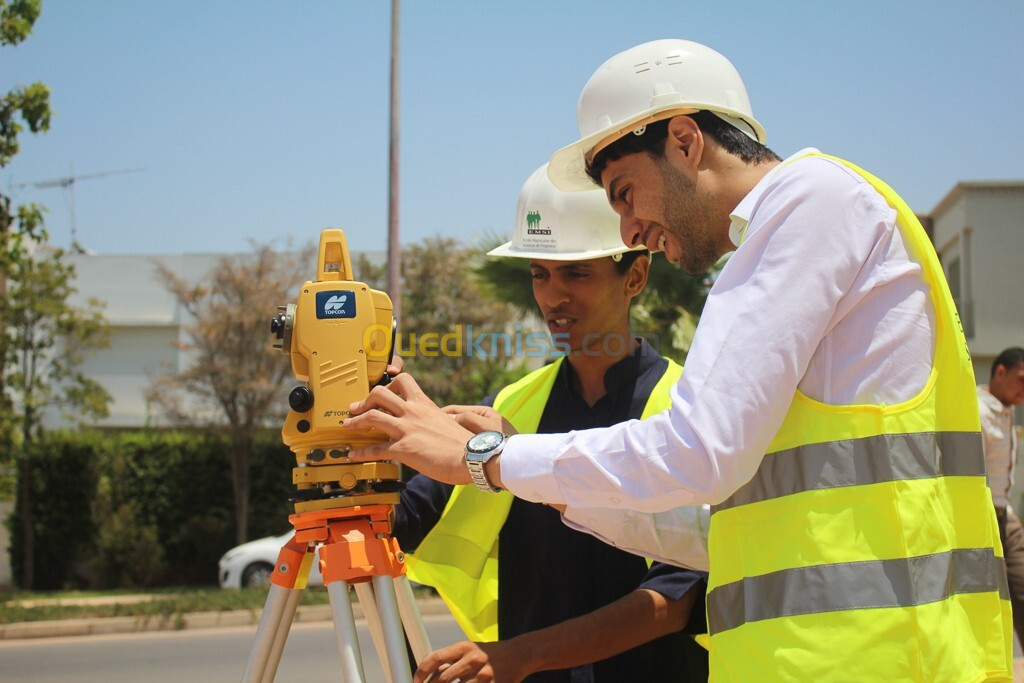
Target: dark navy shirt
point(548, 573)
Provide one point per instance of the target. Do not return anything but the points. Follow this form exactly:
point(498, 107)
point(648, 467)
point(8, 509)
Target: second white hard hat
point(562, 226)
point(647, 83)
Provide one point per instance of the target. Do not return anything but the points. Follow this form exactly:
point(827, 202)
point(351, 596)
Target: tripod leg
point(414, 628)
point(391, 624)
point(345, 632)
point(281, 636)
point(369, 604)
point(270, 623)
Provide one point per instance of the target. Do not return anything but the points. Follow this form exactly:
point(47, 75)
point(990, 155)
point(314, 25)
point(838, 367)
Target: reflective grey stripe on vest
point(855, 586)
point(855, 462)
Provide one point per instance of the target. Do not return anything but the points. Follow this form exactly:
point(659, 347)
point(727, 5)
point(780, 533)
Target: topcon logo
point(336, 304)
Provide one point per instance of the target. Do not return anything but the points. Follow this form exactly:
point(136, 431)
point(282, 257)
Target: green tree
point(19, 225)
point(440, 296)
point(236, 381)
point(45, 340)
point(42, 337)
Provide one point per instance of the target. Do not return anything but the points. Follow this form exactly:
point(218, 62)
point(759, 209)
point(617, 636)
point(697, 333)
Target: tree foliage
point(26, 105)
point(235, 381)
point(440, 296)
point(144, 508)
point(44, 343)
point(43, 337)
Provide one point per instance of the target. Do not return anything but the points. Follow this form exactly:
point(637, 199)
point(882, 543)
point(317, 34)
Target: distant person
point(996, 401)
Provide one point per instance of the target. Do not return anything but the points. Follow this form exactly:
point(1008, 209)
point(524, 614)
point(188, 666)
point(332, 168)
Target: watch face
point(485, 441)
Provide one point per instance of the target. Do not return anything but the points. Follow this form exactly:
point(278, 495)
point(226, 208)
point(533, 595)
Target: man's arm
point(678, 536)
point(809, 239)
point(635, 619)
point(422, 502)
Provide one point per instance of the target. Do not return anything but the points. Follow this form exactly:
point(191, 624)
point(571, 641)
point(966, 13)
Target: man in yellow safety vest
point(827, 410)
point(565, 606)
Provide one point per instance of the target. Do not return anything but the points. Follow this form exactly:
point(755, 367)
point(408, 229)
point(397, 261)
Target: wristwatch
point(479, 449)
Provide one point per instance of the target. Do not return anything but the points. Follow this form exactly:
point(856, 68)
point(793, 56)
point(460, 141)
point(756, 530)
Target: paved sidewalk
point(107, 625)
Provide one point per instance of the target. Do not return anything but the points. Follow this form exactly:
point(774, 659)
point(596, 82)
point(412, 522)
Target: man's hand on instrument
point(422, 435)
point(397, 365)
point(468, 662)
point(480, 419)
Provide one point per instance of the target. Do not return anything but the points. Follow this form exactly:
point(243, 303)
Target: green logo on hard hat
point(533, 224)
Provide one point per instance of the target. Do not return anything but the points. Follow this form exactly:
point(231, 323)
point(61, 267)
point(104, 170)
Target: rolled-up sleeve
point(678, 536)
point(673, 583)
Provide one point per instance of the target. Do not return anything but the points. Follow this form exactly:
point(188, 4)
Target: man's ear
point(684, 143)
point(999, 372)
point(636, 277)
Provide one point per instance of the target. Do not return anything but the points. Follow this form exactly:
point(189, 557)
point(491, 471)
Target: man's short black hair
point(1009, 358)
point(732, 140)
point(623, 264)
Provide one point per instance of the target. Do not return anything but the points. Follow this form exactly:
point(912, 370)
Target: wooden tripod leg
point(364, 591)
point(411, 619)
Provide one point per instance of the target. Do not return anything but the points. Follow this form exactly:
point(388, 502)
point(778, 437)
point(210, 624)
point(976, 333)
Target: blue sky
point(268, 120)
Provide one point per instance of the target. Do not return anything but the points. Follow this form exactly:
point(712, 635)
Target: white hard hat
point(562, 226)
point(648, 83)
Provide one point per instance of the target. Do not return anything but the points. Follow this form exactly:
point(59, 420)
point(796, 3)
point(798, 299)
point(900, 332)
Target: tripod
point(356, 548)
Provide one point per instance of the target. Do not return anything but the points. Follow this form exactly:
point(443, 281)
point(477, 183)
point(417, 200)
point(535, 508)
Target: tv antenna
point(68, 183)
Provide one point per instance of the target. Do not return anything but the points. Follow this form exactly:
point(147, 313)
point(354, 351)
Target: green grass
point(166, 603)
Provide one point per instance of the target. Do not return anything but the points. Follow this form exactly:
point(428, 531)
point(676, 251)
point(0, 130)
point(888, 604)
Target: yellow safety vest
point(865, 548)
point(459, 556)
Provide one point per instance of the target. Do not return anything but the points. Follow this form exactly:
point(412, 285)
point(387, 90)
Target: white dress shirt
point(1000, 444)
point(821, 297)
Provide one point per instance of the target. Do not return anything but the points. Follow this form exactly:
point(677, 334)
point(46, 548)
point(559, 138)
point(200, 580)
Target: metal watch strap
point(476, 468)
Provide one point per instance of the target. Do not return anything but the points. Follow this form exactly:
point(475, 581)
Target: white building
point(978, 232)
point(147, 324)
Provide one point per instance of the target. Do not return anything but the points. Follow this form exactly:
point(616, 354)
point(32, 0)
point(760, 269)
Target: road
point(192, 656)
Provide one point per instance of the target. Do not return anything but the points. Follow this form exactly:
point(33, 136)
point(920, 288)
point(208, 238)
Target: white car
point(250, 564)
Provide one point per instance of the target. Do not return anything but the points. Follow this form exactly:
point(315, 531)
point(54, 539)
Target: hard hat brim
point(567, 168)
point(506, 250)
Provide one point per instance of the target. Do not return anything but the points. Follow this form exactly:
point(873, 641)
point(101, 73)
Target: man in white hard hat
point(826, 410)
point(560, 600)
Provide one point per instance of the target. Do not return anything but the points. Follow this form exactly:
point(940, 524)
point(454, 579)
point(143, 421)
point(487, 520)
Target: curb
point(177, 622)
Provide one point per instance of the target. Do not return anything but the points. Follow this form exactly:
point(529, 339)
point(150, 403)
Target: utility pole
point(68, 183)
point(394, 245)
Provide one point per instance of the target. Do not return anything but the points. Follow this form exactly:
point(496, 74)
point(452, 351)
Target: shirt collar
point(740, 216)
point(993, 403)
point(626, 370)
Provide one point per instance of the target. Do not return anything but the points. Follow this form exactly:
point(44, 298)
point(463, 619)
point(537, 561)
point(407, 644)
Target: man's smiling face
point(661, 207)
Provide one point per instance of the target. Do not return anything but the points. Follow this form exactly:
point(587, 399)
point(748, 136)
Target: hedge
point(146, 508)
